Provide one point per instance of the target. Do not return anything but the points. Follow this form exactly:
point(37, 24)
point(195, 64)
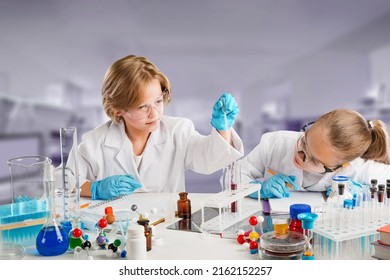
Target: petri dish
point(10, 251)
point(289, 248)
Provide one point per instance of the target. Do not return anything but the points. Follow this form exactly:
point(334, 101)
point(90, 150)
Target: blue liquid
point(52, 241)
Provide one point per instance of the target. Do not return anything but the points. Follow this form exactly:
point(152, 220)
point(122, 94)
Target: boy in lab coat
point(142, 149)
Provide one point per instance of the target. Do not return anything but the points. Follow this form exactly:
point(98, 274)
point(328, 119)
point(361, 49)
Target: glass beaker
point(24, 217)
point(280, 227)
point(27, 177)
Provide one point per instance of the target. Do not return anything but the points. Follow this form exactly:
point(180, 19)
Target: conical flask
point(52, 240)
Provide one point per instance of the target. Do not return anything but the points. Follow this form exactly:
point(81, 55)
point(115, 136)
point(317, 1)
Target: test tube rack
point(349, 236)
point(223, 201)
point(21, 222)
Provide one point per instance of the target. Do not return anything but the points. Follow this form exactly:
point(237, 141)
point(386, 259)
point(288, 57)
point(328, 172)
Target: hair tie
point(370, 124)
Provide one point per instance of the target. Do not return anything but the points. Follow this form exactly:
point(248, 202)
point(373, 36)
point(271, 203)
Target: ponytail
point(379, 149)
point(353, 136)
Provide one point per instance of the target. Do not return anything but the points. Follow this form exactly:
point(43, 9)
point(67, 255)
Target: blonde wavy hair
point(125, 81)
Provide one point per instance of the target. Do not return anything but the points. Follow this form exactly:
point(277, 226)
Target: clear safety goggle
point(144, 110)
point(309, 161)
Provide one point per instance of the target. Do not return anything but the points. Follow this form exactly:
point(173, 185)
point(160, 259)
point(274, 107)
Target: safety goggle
point(308, 159)
point(144, 110)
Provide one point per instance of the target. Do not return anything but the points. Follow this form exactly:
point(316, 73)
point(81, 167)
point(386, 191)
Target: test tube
point(340, 205)
point(388, 201)
point(381, 202)
point(374, 203)
point(387, 198)
point(235, 181)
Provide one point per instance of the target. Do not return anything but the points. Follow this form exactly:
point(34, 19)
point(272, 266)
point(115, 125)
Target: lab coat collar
point(116, 135)
point(116, 138)
point(153, 147)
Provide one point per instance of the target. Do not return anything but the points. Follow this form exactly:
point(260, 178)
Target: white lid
point(135, 230)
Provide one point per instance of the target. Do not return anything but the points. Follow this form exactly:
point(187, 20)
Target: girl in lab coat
point(142, 149)
point(340, 142)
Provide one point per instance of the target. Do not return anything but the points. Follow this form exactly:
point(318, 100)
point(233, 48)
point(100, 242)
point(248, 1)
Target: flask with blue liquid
point(52, 240)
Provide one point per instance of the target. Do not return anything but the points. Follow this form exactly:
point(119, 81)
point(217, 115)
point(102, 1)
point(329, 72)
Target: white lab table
point(177, 244)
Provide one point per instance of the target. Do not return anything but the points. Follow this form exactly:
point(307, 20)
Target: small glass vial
point(341, 196)
point(184, 206)
point(336, 180)
point(135, 243)
point(147, 233)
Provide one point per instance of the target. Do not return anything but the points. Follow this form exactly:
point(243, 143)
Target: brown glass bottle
point(184, 206)
point(148, 233)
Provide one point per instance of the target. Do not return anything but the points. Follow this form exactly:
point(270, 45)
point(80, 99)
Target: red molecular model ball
point(253, 220)
point(102, 223)
point(77, 233)
point(253, 245)
point(241, 239)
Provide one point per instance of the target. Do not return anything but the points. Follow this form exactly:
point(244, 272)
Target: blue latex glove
point(255, 194)
point(226, 104)
point(276, 187)
point(114, 186)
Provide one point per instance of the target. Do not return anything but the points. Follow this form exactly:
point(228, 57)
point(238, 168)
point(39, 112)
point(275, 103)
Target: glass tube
point(70, 178)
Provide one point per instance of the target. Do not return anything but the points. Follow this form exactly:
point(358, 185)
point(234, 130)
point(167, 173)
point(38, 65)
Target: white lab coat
point(171, 149)
point(276, 151)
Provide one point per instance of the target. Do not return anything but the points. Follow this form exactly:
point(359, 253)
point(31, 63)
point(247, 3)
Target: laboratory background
point(285, 62)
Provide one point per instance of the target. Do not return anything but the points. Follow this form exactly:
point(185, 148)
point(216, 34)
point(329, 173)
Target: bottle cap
point(135, 231)
point(348, 203)
point(340, 178)
point(296, 209)
point(304, 257)
point(308, 220)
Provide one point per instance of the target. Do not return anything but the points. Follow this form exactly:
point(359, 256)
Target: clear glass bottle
point(52, 240)
point(184, 206)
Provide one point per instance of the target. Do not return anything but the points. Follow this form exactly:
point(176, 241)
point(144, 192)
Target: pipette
point(232, 184)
